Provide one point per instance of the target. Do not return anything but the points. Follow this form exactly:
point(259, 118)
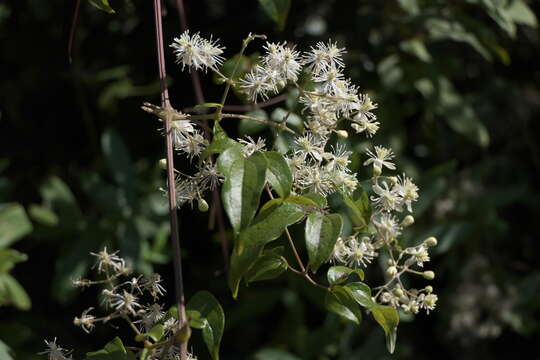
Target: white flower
point(86, 321)
point(323, 56)
point(418, 254)
point(311, 145)
point(284, 60)
point(192, 144)
point(360, 252)
point(55, 352)
point(339, 158)
point(387, 227)
point(209, 176)
point(381, 158)
point(153, 286)
point(428, 302)
point(364, 119)
point(151, 316)
point(125, 302)
point(196, 52)
point(407, 190)
point(256, 84)
point(388, 199)
point(251, 146)
point(108, 261)
point(340, 253)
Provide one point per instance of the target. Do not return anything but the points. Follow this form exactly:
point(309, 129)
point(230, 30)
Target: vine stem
point(178, 276)
point(289, 237)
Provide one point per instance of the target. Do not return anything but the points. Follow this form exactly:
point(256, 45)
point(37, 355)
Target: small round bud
point(430, 241)
point(391, 262)
point(407, 221)
point(428, 289)
point(391, 271)
point(393, 179)
point(428, 275)
point(377, 171)
point(343, 134)
point(163, 164)
point(398, 292)
point(203, 205)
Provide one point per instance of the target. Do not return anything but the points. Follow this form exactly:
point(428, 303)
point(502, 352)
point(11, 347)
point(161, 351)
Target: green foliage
point(339, 274)
point(278, 10)
point(114, 350)
point(103, 5)
point(321, 234)
point(214, 320)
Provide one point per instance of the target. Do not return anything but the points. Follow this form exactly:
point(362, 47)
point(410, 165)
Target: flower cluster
point(196, 52)
point(123, 298)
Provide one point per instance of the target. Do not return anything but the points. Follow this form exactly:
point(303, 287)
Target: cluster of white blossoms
point(123, 298)
point(196, 52)
point(331, 102)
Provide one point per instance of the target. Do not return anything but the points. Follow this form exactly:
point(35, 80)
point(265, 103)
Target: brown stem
point(269, 102)
point(177, 255)
point(73, 28)
point(289, 237)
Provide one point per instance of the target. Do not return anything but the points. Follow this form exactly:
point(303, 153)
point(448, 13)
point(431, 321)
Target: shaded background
point(457, 88)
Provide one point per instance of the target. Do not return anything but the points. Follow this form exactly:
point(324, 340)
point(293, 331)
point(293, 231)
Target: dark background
point(457, 88)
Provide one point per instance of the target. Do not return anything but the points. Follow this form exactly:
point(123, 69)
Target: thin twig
point(280, 125)
point(177, 256)
point(73, 28)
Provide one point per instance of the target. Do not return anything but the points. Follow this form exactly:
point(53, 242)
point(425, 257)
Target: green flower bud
point(430, 242)
point(343, 134)
point(163, 164)
point(428, 289)
point(377, 171)
point(407, 221)
point(428, 275)
point(398, 292)
point(391, 271)
point(203, 205)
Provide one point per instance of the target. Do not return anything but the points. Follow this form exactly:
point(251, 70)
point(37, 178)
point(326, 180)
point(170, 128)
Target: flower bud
point(203, 205)
point(407, 221)
point(390, 262)
point(428, 289)
point(163, 164)
point(428, 275)
point(377, 171)
point(391, 271)
point(393, 179)
point(430, 241)
point(398, 292)
point(343, 134)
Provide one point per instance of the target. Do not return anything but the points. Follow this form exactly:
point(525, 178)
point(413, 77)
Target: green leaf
point(278, 173)
point(359, 210)
point(417, 48)
point(339, 274)
point(362, 294)
point(196, 321)
point(114, 350)
point(250, 127)
point(410, 6)
point(440, 29)
point(266, 227)
point(12, 293)
point(321, 233)
point(388, 319)
point(43, 215)
point(274, 354)
point(10, 257)
point(341, 301)
point(269, 266)
point(317, 198)
point(58, 197)
point(210, 309)
point(156, 333)
point(103, 5)
point(5, 351)
point(278, 10)
point(279, 115)
point(219, 144)
point(14, 224)
point(521, 13)
point(227, 158)
point(119, 162)
point(242, 190)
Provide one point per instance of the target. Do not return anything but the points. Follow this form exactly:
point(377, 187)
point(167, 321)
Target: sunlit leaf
point(321, 233)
